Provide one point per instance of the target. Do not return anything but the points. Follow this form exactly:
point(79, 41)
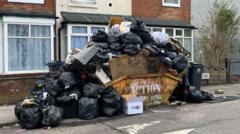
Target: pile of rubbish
point(65, 95)
point(77, 88)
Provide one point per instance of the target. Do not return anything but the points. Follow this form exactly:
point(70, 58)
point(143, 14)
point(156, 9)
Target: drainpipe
point(55, 28)
point(59, 41)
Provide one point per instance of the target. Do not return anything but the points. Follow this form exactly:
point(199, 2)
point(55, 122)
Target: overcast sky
point(200, 9)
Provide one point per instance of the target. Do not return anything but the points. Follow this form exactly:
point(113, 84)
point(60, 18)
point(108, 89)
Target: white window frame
point(84, 2)
point(171, 4)
point(176, 36)
point(76, 3)
point(1, 48)
point(152, 29)
point(165, 29)
point(28, 1)
point(175, 32)
point(88, 34)
point(25, 21)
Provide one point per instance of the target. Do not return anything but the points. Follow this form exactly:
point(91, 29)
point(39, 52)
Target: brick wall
point(48, 6)
point(155, 9)
point(14, 88)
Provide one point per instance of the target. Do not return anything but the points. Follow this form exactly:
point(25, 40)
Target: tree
point(220, 33)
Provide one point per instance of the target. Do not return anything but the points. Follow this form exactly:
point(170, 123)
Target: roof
point(21, 13)
point(103, 19)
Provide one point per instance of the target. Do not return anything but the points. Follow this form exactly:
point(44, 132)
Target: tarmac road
point(217, 118)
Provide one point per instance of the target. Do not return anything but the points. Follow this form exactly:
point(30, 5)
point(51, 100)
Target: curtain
point(95, 29)
point(79, 29)
point(79, 41)
point(29, 53)
point(40, 31)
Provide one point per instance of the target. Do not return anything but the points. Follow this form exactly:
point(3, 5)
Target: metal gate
point(232, 70)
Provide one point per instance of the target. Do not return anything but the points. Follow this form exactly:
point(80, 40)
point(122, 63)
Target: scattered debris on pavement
point(219, 91)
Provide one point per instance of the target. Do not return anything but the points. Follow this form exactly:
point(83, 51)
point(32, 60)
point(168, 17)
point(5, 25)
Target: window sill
point(21, 76)
point(27, 1)
point(172, 5)
point(75, 4)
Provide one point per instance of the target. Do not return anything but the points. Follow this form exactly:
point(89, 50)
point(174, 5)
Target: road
point(217, 118)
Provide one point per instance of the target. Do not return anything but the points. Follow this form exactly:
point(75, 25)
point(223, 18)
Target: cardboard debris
point(86, 55)
point(102, 76)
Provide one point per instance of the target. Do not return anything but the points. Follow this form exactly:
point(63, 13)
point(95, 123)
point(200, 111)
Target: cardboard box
point(114, 20)
point(132, 104)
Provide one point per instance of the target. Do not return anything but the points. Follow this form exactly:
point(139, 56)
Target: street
point(217, 118)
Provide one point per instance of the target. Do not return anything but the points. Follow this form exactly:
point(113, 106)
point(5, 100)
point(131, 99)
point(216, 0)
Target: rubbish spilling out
point(121, 71)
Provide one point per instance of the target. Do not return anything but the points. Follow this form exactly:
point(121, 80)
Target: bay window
point(28, 47)
point(80, 35)
point(184, 36)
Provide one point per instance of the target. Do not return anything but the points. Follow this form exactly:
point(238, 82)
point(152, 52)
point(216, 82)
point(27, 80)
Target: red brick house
point(179, 10)
point(26, 45)
point(169, 16)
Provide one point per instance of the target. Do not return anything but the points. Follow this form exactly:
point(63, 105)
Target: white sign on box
point(133, 105)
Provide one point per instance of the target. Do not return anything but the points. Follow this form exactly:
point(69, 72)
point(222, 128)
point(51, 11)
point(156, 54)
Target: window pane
point(180, 40)
point(187, 33)
point(79, 29)
point(179, 32)
point(79, 41)
point(169, 32)
point(171, 1)
point(95, 29)
point(157, 29)
point(149, 29)
point(40, 31)
point(18, 30)
point(26, 54)
point(188, 44)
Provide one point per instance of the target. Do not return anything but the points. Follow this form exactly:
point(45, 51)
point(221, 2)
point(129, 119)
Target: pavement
point(192, 118)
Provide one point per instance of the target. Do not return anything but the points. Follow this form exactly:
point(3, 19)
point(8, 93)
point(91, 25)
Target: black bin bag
point(153, 49)
point(70, 111)
point(17, 110)
point(180, 63)
point(30, 118)
point(68, 101)
point(67, 80)
point(116, 46)
point(52, 116)
point(100, 36)
point(44, 99)
point(140, 29)
point(53, 87)
point(130, 38)
point(132, 49)
point(110, 102)
point(197, 96)
point(92, 90)
point(88, 108)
